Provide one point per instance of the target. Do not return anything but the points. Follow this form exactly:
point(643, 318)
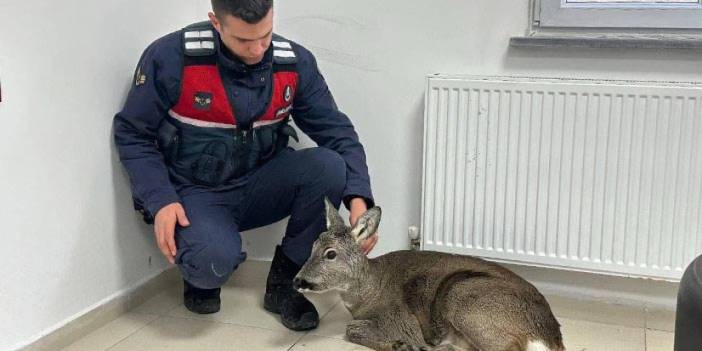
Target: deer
point(423, 300)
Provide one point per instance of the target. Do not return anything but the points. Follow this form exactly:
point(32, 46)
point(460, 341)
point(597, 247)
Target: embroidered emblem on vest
point(203, 100)
point(288, 93)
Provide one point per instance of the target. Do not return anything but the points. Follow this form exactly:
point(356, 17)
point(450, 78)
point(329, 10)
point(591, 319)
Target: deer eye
point(330, 254)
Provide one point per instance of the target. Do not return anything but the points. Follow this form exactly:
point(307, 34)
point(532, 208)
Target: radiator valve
point(415, 240)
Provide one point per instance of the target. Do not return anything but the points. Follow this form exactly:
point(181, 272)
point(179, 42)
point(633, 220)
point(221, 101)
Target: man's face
point(246, 41)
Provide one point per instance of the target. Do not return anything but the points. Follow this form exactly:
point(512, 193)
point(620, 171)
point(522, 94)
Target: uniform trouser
point(293, 184)
point(688, 320)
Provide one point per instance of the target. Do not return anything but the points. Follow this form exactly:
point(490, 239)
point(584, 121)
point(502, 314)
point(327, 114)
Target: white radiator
point(598, 176)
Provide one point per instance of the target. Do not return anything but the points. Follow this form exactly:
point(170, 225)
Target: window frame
point(560, 14)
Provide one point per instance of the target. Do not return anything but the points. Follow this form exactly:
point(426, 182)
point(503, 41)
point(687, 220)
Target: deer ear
point(334, 220)
point(366, 225)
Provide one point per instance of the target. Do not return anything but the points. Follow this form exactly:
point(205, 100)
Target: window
point(635, 24)
point(622, 14)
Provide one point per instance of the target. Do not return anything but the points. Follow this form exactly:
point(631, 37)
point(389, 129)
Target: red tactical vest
point(203, 100)
point(206, 144)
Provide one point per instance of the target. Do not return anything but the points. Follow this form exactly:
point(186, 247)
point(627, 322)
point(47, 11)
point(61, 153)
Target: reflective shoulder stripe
point(198, 39)
point(199, 45)
point(284, 53)
point(282, 45)
point(199, 34)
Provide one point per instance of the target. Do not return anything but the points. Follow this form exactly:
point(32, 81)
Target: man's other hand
point(358, 208)
point(164, 228)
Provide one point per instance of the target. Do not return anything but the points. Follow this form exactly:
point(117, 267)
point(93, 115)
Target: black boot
point(201, 301)
point(296, 312)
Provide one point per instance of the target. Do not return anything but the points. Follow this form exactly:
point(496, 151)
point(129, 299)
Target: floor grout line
point(160, 314)
point(207, 321)
point(330, 310)
point(310, 332)
point(195, 318)
point(612, 324)
point(134, 332)
point(298, 340)
point(168, 314)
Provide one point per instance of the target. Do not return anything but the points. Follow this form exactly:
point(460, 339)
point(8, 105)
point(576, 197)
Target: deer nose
point(301, 284)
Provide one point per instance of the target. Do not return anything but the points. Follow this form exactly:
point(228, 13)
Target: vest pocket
point(209, 168)
point(265, 137)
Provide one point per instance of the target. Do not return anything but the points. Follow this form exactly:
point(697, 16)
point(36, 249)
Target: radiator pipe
point(415, 238)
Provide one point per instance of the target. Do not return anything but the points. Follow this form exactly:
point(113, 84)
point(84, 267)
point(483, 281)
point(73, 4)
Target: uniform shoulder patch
point(199, 39)
point(139, 77)
point(283, 52)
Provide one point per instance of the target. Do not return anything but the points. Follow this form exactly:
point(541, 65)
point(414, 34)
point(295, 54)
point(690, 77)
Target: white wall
point(376, 56)
point(69, 236)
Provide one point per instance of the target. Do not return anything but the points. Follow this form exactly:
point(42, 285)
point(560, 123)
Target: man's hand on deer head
point(358, 208)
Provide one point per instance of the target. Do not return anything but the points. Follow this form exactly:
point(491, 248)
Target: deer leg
point(367, 333)
point(431, 324)
point(435, 330)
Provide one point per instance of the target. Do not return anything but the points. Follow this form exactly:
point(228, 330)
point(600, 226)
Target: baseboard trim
point(608, 289)
point(94, 317)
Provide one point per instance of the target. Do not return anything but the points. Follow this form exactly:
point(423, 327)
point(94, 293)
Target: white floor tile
point(163, 323)
point(319, 343)
point(243, 304)
point(597, 312)
point(659, 340)
point(660, 320)
point(162, 303)
point(581, 335)
point(333, 325)
point(179, 334)
point(112, 333)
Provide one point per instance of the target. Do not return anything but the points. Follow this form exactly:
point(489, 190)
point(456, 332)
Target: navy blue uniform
point(292, 183)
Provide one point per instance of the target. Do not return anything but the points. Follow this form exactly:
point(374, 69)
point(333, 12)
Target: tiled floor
point(162, 323)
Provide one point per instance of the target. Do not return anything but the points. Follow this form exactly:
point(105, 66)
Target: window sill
point(607, 41)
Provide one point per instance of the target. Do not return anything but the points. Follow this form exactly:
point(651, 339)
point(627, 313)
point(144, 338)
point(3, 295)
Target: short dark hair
point(251, 11)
